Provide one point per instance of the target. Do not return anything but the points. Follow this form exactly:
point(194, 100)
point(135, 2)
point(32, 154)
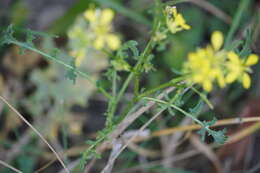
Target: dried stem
point(36, 131)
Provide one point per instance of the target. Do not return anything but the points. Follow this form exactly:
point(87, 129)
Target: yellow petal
point(181, 22)
point(217, 40)
point(198, 78)
point(90, 15)
point(251, 60)
point(107, 16)
point(221, 80)
point(231, 77)
point(233, 57)
point(174, 11)
point(113, 41)
point(246, 81)
point(99, 43)
point(186, 26)
point(207, 85)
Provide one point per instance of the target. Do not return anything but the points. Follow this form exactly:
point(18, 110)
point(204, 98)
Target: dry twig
point(36, 131)
point(10, 167)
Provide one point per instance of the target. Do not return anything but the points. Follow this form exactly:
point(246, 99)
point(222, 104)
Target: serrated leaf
point(133, 46)
point(128, 45)
point(71, 74)
point(210, 123)
point(219, 136)
point(7, 35)
point(29, 38)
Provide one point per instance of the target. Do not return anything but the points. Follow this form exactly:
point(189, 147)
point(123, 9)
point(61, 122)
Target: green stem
point(203, 97)
point(162, 86)
point(129, 78)
point(177, 108)
point(136, 70)
point(172, 82)
point(85, 75)
point(235, 24)
point(136, 85)
point(114, 84)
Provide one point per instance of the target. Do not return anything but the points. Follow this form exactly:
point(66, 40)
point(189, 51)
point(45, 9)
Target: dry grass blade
point(125, 123)
point(244, 133)
point(143, 151)
point(192, 127)
point(76, 150)
point(10, 167)
point(36, 131)
point(133, 137)
point(207, 151)
point(45, 166)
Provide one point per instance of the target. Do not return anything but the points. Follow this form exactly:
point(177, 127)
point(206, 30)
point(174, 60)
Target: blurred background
point(68, 115)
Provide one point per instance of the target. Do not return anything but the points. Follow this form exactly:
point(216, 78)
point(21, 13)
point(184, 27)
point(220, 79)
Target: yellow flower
point(238, 69)
point(174, 20)
point(159, 36)
point(100, 22)
point(205, 66)
point(212, 64)
point(78, 41)
point(78, 34)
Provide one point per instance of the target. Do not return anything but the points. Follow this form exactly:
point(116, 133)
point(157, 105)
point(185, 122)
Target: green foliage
point(218, 136)
point(7, 36)
point(119, 62)
point(125, 91)
point(72, 74)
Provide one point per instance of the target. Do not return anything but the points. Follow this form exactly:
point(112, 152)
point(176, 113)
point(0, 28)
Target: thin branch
point(207, 151)
point(112, 160)
point(36, 131)
point(231, 121)
point(45, 166)
point(10, 167)
point(125, 123)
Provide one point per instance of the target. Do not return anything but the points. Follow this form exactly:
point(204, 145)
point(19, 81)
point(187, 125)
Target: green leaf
point(202, 133)
point(7, 35)
point(133, 46)
point(29, 38)
point(71, 74)
point(246, 50)
point(219, 136)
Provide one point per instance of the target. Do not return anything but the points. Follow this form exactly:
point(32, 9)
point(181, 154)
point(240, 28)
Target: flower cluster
point(175, 21)
point(100, 22)
point(210, 64)
point(94, 30)
point(78, 41)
